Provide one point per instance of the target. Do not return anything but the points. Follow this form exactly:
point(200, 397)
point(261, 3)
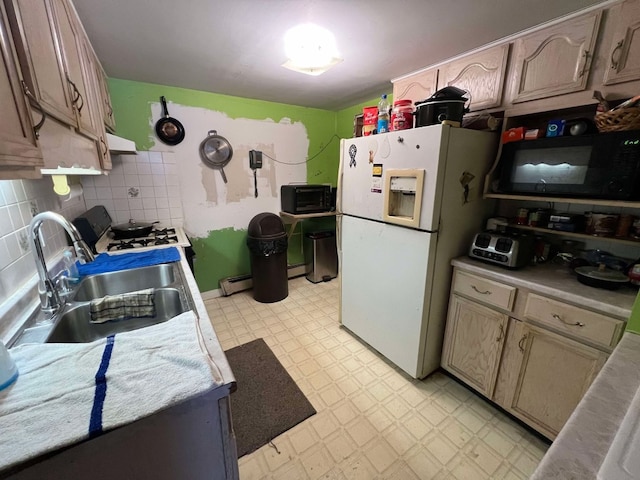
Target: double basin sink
point(72, 325)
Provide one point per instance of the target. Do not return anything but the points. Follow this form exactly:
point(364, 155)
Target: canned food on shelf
point(522, 216)
point(624, 225)
point(602, 224)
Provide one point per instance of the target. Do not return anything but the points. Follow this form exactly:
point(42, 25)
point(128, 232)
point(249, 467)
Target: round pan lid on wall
point(216, 152)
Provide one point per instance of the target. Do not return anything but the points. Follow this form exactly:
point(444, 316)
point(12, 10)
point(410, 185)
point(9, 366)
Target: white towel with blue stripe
point(70, 392)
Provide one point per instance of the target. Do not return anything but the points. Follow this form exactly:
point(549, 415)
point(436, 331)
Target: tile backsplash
point(20, 200)
point(143, 187)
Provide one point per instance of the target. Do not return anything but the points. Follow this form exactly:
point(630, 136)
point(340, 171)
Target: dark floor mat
point(267, 402)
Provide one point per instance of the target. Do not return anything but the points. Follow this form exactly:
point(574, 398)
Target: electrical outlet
point(255, 159)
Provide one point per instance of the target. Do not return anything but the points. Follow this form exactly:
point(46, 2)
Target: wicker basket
point(621, 119)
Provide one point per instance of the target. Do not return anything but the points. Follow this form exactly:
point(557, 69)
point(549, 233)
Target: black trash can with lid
point(267, 242)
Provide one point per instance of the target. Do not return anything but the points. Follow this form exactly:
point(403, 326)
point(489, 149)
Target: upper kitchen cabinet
point(554, 60)
point(105, 99)
point(33, 27)
point(94, 101)
point(624, 56)
point(71, 37)
point(417, 86)
point(61, 73)
point(481, 74)
point(20, 156)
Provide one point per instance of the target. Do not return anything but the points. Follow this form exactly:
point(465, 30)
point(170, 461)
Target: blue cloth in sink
point(124, 261)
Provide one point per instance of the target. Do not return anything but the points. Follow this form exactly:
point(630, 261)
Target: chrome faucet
point(49, 297)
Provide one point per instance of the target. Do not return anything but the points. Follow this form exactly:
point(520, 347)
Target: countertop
point(206, 328)
point(583, 443)
point(559, 282)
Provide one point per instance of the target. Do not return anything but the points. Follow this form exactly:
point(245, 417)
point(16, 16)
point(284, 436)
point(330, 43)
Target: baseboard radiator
point(231, 285)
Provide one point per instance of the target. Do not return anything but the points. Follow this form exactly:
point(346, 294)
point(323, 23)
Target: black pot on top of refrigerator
point(448, 103)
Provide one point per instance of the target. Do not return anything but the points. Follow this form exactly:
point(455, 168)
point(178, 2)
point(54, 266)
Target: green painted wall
point(224, 253)
point(634, 321)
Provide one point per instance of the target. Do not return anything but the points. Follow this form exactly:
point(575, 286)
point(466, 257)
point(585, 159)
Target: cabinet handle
point(586, 56)
point(77, 96)
point(521, 342)
point(76, 92)
point(558, 317)
point(106, 149)
point(501, 336)
point(615, 62)
point(81, 98)
point(486, 292)
point(34, 101)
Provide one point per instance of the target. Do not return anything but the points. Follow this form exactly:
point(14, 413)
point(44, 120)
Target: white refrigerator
point(410, 201)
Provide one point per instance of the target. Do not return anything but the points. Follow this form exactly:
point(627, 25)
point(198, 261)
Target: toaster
point(511, 250)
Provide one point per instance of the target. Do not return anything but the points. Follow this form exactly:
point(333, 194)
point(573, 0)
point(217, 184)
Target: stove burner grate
point(163, 232)
point(164, 240)
point(127, 244)
point(142, 242)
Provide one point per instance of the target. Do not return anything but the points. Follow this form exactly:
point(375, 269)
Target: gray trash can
point(267, 242)
point(321, 256)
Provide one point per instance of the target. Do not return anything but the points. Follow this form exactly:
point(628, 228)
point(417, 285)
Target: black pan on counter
point(600, 277)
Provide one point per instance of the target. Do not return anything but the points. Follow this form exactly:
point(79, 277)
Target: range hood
point(120, 146)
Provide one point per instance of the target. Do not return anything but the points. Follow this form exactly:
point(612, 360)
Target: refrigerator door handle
point(388, 223)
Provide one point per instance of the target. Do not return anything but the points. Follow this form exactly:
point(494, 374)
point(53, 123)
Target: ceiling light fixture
point(310, 49)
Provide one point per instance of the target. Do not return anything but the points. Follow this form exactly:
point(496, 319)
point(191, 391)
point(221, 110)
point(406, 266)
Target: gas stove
point(95, 228)
point(160, 236)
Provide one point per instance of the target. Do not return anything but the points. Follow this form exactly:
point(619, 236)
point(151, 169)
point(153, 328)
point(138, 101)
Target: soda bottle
point(383, 114)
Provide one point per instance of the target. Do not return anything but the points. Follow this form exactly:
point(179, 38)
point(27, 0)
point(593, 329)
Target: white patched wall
point(210, 204)
point(172, 185)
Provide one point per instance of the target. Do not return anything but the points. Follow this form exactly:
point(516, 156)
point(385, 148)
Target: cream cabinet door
point(94, 102)
point(38, 48)
point(553, 375)
point(20, 155)
point(481, 74)
point(624, 57)
point(473, 343)
point(416, 87)
point(555, 60)
point(71, 42)
point(105, 99)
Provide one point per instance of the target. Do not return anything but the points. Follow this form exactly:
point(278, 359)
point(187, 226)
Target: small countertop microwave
point(603, 165)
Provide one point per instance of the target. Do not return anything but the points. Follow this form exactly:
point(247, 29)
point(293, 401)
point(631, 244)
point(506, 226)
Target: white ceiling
point(235, 47)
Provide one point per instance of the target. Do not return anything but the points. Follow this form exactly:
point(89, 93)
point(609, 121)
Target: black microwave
point(604, 165)
point(299, 199)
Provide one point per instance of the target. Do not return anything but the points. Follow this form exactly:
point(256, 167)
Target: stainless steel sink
point(71, 323)
point(74, 326)
point(113, 283)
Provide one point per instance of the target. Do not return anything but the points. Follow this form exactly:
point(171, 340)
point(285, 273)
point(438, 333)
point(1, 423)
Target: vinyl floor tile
point(373, 421)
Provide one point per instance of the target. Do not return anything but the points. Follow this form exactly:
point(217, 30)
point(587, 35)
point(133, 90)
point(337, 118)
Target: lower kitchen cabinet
point(473, 344)
point(549, 376)
point(510, 353)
